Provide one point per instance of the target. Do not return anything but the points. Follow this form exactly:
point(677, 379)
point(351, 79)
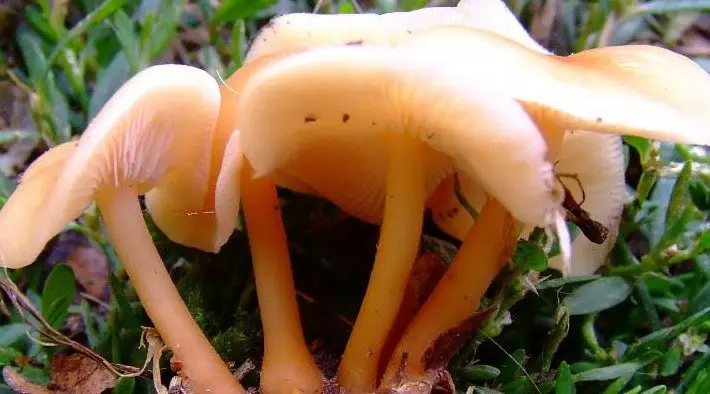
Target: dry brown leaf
point(77, 373)
point(71, 374)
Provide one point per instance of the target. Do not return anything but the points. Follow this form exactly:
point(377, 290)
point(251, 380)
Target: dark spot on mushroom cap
point(346, 117)
point(356, 42)
point(373, 123)
point(309, 118)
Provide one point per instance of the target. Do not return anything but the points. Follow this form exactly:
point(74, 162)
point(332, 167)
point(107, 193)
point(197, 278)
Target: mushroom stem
point(200, 363)
point(397, 250)
point(449, 309)
point(288, 366)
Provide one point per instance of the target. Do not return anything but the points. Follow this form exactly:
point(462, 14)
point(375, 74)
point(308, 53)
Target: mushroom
point(375, 132)
point(634, 90)
point(306, 31)
point(153, 131)
point(287, 363)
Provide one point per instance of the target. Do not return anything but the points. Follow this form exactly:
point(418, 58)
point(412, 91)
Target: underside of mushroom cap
point(322, 116)
point(588, 162)
point(154, 132)
point(25, 210)
point(200, 228)
point(635, 90)
point(227, 190)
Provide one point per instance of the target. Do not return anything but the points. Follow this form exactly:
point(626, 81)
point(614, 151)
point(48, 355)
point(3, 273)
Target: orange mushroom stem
point(487, 247)
point(396, 253)
point(288, 366)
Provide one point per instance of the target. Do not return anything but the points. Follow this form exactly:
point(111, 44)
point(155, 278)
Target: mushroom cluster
point(382, 115)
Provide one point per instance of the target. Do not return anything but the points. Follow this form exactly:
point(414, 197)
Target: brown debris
point(437, 356)
point(593, 230)
point(71, 374)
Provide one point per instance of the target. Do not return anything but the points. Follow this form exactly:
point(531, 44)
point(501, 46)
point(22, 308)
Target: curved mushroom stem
point(397, 250)
point(201, 364)
point(288, 365)
point(449, 309)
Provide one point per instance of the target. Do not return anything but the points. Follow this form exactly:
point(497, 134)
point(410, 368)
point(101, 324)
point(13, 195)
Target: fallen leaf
point(77, 373)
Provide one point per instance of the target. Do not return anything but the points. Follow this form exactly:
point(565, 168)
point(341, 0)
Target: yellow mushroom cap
point(595, 160)
point(197, 225)
point(636, 90)
point(23, 211)
point(300, 31)
point(153, 135)
point(322, 117)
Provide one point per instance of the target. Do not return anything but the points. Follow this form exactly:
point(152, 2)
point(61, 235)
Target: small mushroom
point(374, 132)
point(287, 363)
point(149, 135)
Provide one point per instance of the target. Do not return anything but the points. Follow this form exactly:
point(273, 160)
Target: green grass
point(639, 326)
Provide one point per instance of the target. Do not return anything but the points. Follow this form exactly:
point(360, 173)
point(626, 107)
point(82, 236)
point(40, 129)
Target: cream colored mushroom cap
point(634, 90)
point(153, 135)
point(299, 31)
point(24, 210)
point(596, 160)
point(322, 117)
point(200, 227)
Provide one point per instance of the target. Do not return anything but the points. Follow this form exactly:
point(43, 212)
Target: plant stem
point(201, 364)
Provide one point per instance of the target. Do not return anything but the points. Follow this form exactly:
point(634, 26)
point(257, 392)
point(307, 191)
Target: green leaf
point(602, 294)
point(232, 10)
point(126, 35)
point(58, 294)
point(624, 370)
point(9, 356)
point(510, 369)
point(125, 386)
point(480, 372)
point(564, 383)
point(103, 12)
point(163, 30)
point(559, 282)
point(700, 194)
point(126, 315)
point(678, 195)
point(346, 7)
point(657, 339)
point(108, 81)
point(699, 366)
point(10, 334)
point(671, 362)
point(642, 145)
point(701, 300)
point(666, 7)
point(656, 390)
point(529, 256)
